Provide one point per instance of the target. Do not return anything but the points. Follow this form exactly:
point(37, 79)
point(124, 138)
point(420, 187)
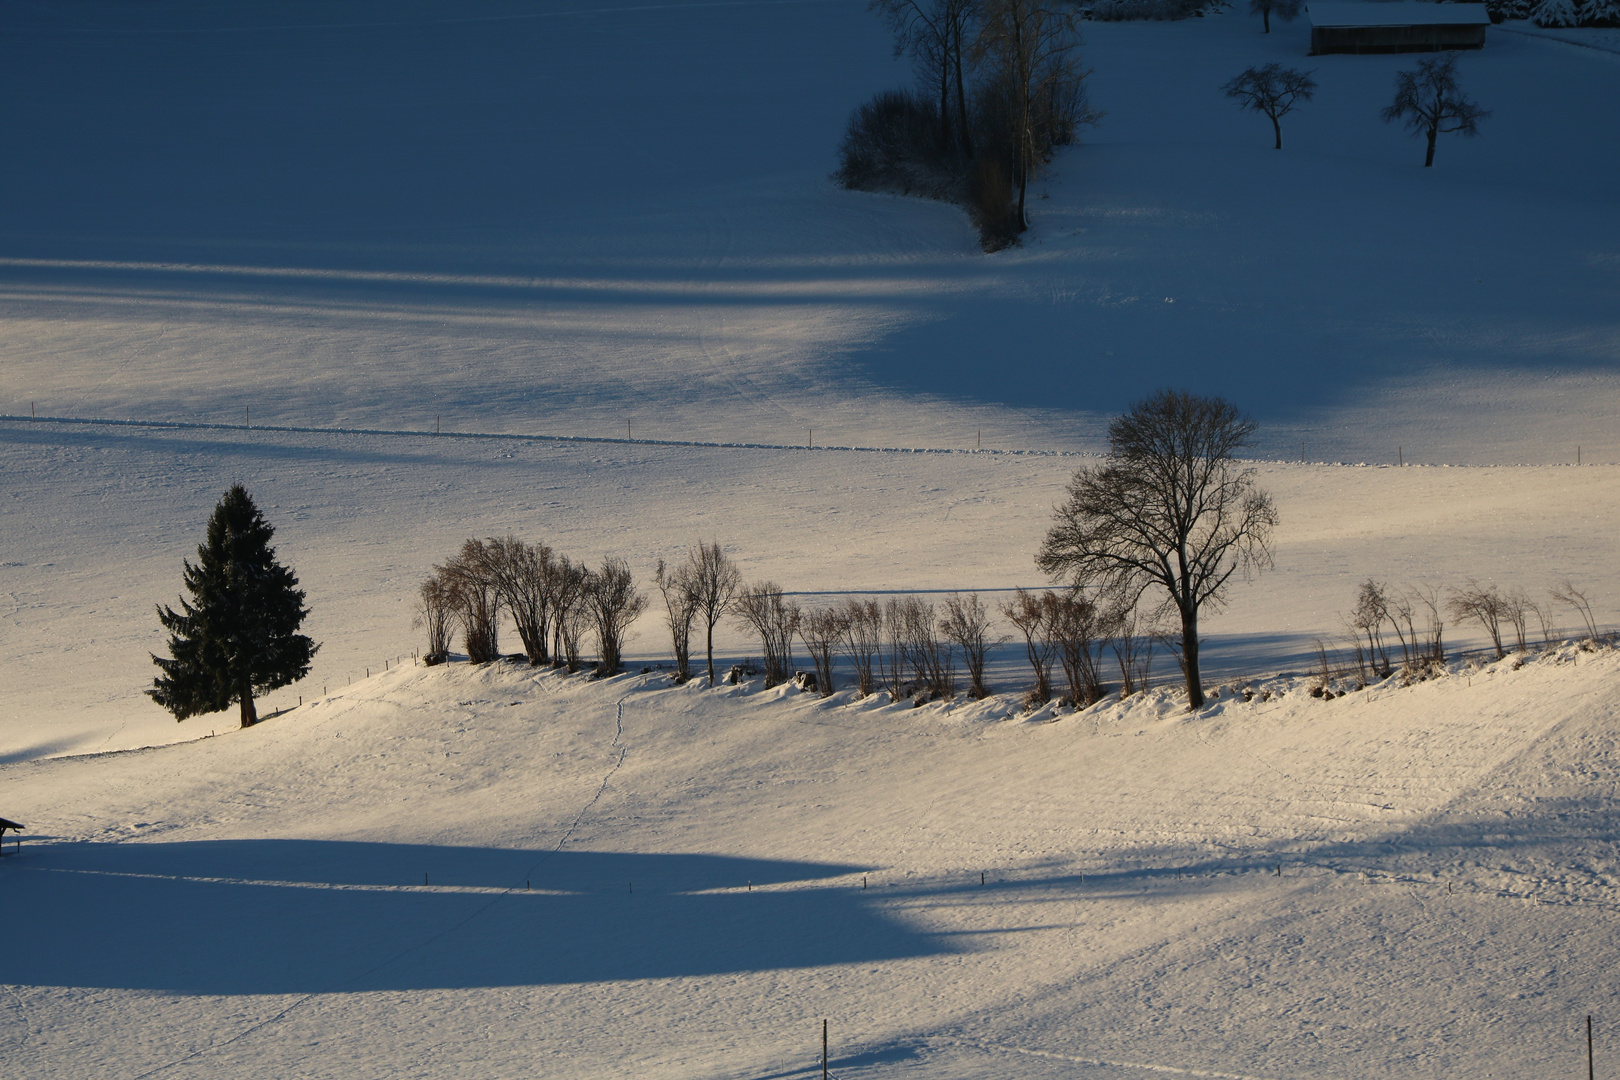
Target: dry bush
point(570, 617)
point(762, 609)
point(1484, 605)
point(714, 580)
point(678, 587)
point(434, 613)
point(863, 639)
point(613, 603)
point(524, 576)
point(474, 600)
point(1133, 650)
point(1568, 595)
point(821, 629)
point(1077, 625)
point(1028, 616)
point(967, 625)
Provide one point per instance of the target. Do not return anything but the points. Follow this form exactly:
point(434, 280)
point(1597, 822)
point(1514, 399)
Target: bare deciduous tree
point(762, 609)
point(435, 613)
point(1286, 10)
point(1034, 48)
point(679, 590)
point(1428, 100)
point(821, 629)
point(1367, 624)
point(1486, 606)
point(569, 612)
point(1271, 89)
point(1569, 595)
point(1170, 508)
point(1133, 650)
point(475, 601)
point(863, 637)
point(1075, 623)
point(715, 580)
point(613, 603)
point(1029, 616)
point(967, 624)
point(524, 576)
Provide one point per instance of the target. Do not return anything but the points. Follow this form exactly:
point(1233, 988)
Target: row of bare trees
point(556, 604)
point(1409, 624)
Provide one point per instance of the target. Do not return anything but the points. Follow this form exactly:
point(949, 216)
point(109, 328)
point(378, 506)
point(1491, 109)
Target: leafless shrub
point(1483, 604)
point(863, 638)
point(762, 609)
point(434, 612)
point(967, 624)
point(1076, 623)
point(474, 600)
point(524, 576)
point(1133, 650)
point(1516, 607)
point(570, 616)
point(896, 653)
point(613, 603)
point(1568, 595)
point(714, 580)
point(1432, 651)
point(1544, 619)
point(1366, 623)
point(918, 650)
point(821, 629)
point(1028, 615)
point(679, 590)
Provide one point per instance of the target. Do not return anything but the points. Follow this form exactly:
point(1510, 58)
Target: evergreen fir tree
point(1601, 13)
point(238, 632)
point(1557, 13)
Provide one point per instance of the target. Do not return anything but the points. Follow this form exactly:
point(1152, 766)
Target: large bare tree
point(1171, 508)
point(1428, 100)
point(1273, 90)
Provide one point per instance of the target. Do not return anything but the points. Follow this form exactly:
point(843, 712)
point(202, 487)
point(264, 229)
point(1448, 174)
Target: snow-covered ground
point(491, 872)
point(351, 223)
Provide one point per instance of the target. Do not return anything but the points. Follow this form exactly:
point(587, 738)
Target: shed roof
point(1410, 13)
point(8, 824)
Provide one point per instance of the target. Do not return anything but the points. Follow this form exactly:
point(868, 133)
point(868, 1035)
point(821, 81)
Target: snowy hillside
point(489, 872)
point(283, 242)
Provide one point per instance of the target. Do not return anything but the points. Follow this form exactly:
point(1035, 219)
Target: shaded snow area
point(492, 872)
point(594, 245)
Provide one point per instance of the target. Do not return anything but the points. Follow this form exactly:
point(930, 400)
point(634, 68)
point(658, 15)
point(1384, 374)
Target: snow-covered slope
point(487, 872)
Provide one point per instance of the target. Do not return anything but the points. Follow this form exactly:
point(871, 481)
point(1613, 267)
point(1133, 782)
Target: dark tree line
point(1001, 87)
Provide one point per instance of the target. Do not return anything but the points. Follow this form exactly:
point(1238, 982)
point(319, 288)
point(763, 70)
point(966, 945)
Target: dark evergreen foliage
point(237, 633)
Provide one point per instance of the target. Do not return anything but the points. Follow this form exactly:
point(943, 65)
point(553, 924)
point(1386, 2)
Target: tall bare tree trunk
point(250, 715)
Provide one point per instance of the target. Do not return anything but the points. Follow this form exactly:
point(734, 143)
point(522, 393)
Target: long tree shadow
point(300, 916)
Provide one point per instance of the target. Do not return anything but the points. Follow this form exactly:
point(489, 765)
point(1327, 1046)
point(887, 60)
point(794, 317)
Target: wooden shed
point(1394, 26)
point(7, 823)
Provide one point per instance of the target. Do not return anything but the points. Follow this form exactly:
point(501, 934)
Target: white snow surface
point(283, 243)
point(496, 872)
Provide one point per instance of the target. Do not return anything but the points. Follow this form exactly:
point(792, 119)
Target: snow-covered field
point(353, 222)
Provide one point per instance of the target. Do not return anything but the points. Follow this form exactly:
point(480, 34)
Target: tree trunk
point(961, 99)
point(1428, 160)
point(1277, 127)
point(250, 715)
point(711, 653)
point(1189, 653)
point(944, 105)
point(1265, 16)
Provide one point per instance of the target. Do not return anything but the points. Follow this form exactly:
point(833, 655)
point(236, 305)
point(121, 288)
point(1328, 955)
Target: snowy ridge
point(1158, 890)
